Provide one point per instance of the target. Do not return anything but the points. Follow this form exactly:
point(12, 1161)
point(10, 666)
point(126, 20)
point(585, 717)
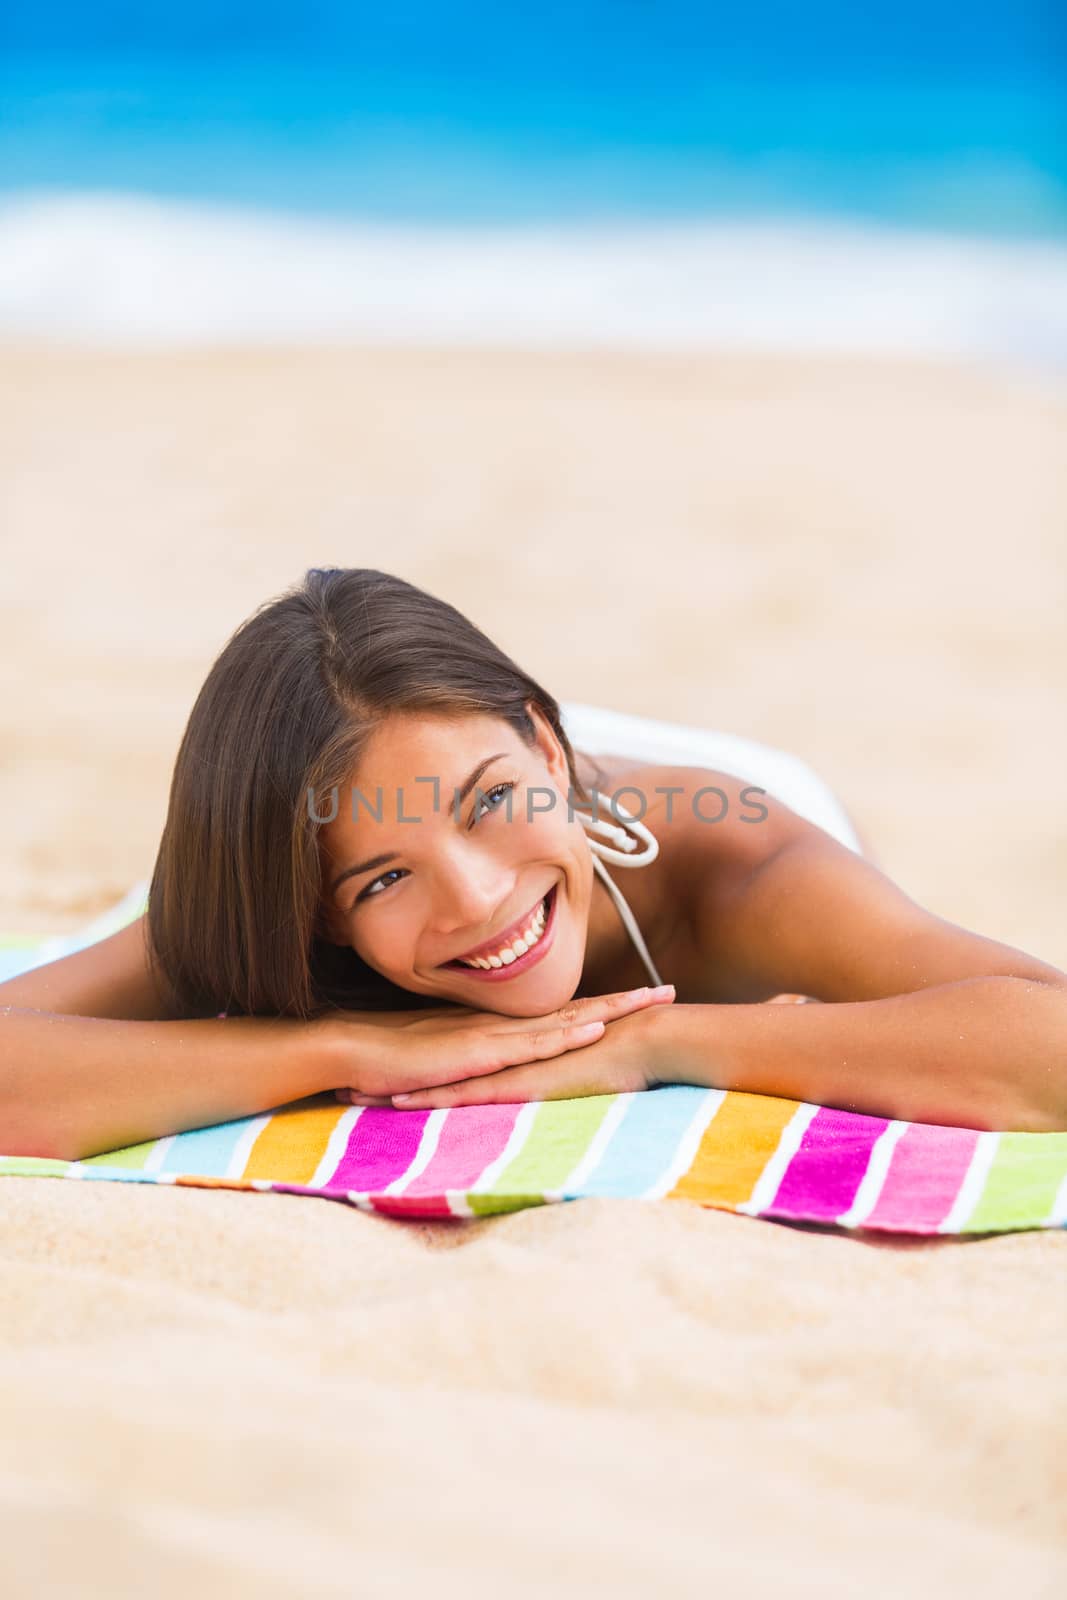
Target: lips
point(509, 935)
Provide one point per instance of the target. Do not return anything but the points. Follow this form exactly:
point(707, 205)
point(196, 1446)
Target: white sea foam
point(125, 269)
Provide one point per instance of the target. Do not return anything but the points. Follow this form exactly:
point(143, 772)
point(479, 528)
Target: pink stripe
point(821, 1180)
point(471, 1138)
point(391, 1205)
point(927, 1167)
point(382, 1145)
point(399, 1205)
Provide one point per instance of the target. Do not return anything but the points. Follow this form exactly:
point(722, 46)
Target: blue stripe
point(644, 1143)
point(205, 1152)
point(122, 1174)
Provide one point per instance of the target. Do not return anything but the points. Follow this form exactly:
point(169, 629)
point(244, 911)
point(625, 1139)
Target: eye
point(367, 893)
point(372, 891)
point(498, 788)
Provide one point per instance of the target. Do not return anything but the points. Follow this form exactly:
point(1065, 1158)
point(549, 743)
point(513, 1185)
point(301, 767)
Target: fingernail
point(397, 1098)
point(663, 988)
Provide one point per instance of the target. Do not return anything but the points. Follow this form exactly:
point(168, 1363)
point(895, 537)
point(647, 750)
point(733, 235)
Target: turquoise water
point(911, 115)
point(828, 176)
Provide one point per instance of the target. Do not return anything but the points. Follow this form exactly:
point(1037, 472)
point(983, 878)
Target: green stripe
point(133, 1158)
point(1022, 1184)
point(561, 1133)
point(32, 1167)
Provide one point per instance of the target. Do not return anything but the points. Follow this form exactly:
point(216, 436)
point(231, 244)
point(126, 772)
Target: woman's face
point(468, 877)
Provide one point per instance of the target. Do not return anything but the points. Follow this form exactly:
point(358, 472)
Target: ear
point(549, 746)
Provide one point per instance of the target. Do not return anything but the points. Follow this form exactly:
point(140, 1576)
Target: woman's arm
point(986, 1053)
point(929, 1022)
point(74, 1086)
point(94, 1056)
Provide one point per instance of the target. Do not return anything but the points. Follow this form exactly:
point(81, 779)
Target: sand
point(861, 561)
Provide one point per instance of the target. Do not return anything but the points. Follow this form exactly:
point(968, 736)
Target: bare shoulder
point(116, 977)
point(766, 903)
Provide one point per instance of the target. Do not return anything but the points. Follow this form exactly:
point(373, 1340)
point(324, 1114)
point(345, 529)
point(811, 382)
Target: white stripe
point(456, 1199)
point(158, 1153)
point(688, 1145)
point(336, 1146)
point(431, 1135)
point(516, 1139)
point(766, 1186)
point(973, 1183)
point(873, 1179)
point(1057, 1217)
point(600, 1140)
point(239, 1160)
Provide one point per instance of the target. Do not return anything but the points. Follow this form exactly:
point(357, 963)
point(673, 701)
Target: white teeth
point(511, 952)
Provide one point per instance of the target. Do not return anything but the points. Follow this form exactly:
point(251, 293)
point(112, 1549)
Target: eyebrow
point(381, 861)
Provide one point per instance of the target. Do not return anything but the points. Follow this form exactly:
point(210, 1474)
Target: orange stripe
point(187, 1181)
point(737, 1144)
point(292, 1144)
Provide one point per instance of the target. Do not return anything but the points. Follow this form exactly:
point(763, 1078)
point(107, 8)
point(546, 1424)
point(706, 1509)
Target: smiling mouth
point(547, 904)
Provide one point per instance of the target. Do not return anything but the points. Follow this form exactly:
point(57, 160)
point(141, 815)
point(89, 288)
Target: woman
point(380, 863)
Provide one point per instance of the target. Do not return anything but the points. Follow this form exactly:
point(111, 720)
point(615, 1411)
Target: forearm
point(74, 1086)
point(988, 1053)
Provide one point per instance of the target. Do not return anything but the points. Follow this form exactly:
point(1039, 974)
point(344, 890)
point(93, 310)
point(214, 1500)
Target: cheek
point(548, 832)
point(387, 939)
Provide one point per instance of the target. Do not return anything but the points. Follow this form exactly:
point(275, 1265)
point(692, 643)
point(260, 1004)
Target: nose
point(470, 891)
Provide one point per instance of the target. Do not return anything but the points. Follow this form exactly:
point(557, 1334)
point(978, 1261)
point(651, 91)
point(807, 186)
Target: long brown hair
point(288, 706)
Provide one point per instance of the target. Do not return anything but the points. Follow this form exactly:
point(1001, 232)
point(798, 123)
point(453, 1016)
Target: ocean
point(670, 174)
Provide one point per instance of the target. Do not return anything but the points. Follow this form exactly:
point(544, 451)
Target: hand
point(402, 1051)
point(630, 1054)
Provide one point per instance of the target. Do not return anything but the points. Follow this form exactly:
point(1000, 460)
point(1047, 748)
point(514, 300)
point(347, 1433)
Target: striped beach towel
point(755, 1154)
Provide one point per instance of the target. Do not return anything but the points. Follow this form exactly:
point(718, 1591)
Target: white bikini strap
point(628, 918)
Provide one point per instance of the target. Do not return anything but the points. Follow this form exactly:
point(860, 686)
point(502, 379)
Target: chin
point(533, 1000)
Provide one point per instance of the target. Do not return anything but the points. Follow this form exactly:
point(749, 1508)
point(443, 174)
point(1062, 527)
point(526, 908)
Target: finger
point(352, 1097)
point(600, 1007)
point(489, 1051)
point(534, 1043)
point(511, 1086)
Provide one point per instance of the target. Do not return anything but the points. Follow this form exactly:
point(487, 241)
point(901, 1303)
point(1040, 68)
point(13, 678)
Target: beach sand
point(861, 561)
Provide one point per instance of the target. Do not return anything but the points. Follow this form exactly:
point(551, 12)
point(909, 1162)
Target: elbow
point(1042, 1114)
point(27, 1143)
point(1039, 1087)
point(1040, 1104)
